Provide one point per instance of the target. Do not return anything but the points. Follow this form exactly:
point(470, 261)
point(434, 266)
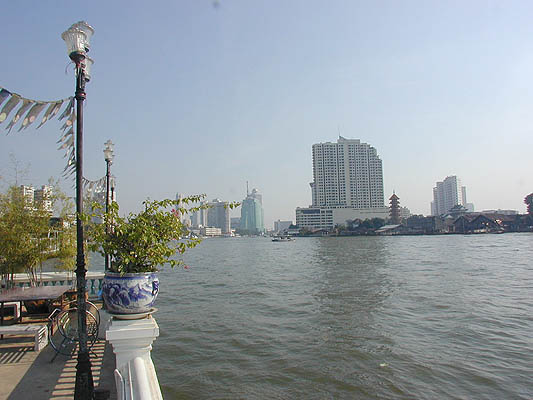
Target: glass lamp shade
point(87, 29)
point(108, 154)
point(88, 65)
point(108, 151)
point(75, 40)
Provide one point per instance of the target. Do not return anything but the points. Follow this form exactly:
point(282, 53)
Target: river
point(420, 317)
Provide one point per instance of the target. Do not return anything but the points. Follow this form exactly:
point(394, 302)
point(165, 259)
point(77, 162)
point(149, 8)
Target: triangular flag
point(25, 105)
point(9, 106)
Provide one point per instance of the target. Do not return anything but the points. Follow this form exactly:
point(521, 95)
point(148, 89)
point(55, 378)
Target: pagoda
point(394, 207)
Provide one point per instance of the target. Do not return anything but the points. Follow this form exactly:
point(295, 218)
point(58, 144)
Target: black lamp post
point(77, 38)
point(108, 155)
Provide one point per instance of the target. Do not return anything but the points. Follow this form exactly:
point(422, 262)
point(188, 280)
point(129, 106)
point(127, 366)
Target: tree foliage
point(528, 200)
point(27, 236)
point(141, 242)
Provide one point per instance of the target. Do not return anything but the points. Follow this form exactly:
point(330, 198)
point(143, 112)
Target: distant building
point(43, 197)
point(199, 218)
point(218, 215)
point(184, 217)
point(28, 193)
point(347, 185)
point(447, 194)
point(470, 207)
point(316, 218)
point(280, 226)
point(404, 213)
point(347, 174)
point(394, 213)
point(252, 213)
point(235, 222)
point(34, 198)
point(500, 212)
point(210, 231)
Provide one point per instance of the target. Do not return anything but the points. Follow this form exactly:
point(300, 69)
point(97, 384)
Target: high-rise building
point(347, 174)
point(347, 184)
point(218, 215)
point(43, 197)
point(447, 194)
point(252, 213)
point(235, 222)
point(28, 194)
point(199, 218)
point(185, 218)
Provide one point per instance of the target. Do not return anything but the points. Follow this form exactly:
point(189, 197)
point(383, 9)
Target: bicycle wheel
point(65, 339)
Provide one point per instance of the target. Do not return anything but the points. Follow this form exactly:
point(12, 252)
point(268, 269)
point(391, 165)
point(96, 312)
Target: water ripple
point(343, 318)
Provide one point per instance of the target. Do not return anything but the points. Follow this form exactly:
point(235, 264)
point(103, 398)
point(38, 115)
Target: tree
point(28, 238)
point(377, 222)
point(528, 200)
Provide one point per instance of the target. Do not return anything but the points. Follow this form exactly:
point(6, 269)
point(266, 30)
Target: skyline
point(240, 92)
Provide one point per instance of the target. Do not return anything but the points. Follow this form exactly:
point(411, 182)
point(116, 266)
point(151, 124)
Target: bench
point(40, 332)
point(16, 309)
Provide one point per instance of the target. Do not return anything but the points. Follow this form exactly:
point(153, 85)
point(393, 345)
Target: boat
point(281, 238)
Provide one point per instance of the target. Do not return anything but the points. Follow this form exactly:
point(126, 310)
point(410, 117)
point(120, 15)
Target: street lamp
point(108, 155)
point(77, 38)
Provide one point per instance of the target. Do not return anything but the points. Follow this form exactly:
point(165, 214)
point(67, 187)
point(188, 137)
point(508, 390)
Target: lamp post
point(108, 155)
point(77, 38)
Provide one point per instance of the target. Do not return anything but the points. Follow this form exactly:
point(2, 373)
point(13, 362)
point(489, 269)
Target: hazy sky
point(200, 99)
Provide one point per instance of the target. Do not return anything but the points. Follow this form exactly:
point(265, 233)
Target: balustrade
point(94, 280)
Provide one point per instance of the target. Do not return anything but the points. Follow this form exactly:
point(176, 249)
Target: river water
point(424, 317)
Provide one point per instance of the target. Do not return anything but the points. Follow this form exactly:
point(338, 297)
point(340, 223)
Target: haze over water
point(358, 317)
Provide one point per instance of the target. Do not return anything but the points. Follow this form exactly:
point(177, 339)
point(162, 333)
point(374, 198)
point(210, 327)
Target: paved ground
point(26, 374)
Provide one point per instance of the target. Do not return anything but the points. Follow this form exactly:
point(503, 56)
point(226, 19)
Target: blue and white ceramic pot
point(133, 293)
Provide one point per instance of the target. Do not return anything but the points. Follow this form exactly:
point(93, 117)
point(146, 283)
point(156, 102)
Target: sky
point(202, 96)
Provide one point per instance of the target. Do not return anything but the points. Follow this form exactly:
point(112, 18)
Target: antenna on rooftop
point(247, 191)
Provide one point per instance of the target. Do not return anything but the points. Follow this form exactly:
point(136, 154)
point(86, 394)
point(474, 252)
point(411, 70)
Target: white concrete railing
point(135, 375)
point(94, 280)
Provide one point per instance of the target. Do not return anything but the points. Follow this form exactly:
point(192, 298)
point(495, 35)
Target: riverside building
point(218, 215)
point(199, 218)
point(448, 194)
point(252, 213)
point(347, 184)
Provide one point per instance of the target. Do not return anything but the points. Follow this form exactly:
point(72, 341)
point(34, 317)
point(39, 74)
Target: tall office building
point(347, 174)
point(199, 218)
point(252, 213)
point(447, 194)
point(347, 184)
point(185, 218)
point(43, 197)
point(28, 194)
point(218, 215)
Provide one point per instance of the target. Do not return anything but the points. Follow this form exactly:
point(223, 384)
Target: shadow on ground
point(26, 374)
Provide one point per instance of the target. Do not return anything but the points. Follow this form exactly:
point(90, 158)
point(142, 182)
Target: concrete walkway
point(26, 374)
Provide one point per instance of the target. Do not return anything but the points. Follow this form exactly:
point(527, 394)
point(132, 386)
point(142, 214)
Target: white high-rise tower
point(347, 174)
point(347, 185)
point(447, 194)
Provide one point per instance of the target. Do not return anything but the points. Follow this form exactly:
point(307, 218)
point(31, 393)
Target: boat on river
point(281, 238)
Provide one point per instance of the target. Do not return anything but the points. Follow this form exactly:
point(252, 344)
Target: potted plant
point(138, 245)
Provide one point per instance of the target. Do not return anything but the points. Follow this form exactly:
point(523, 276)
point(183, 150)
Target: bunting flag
point(93, 188)
point(4, 94)
point(28, 112)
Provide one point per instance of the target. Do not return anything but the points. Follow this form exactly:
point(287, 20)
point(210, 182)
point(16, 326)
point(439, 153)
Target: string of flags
point(92, 187)
point(28, 112)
